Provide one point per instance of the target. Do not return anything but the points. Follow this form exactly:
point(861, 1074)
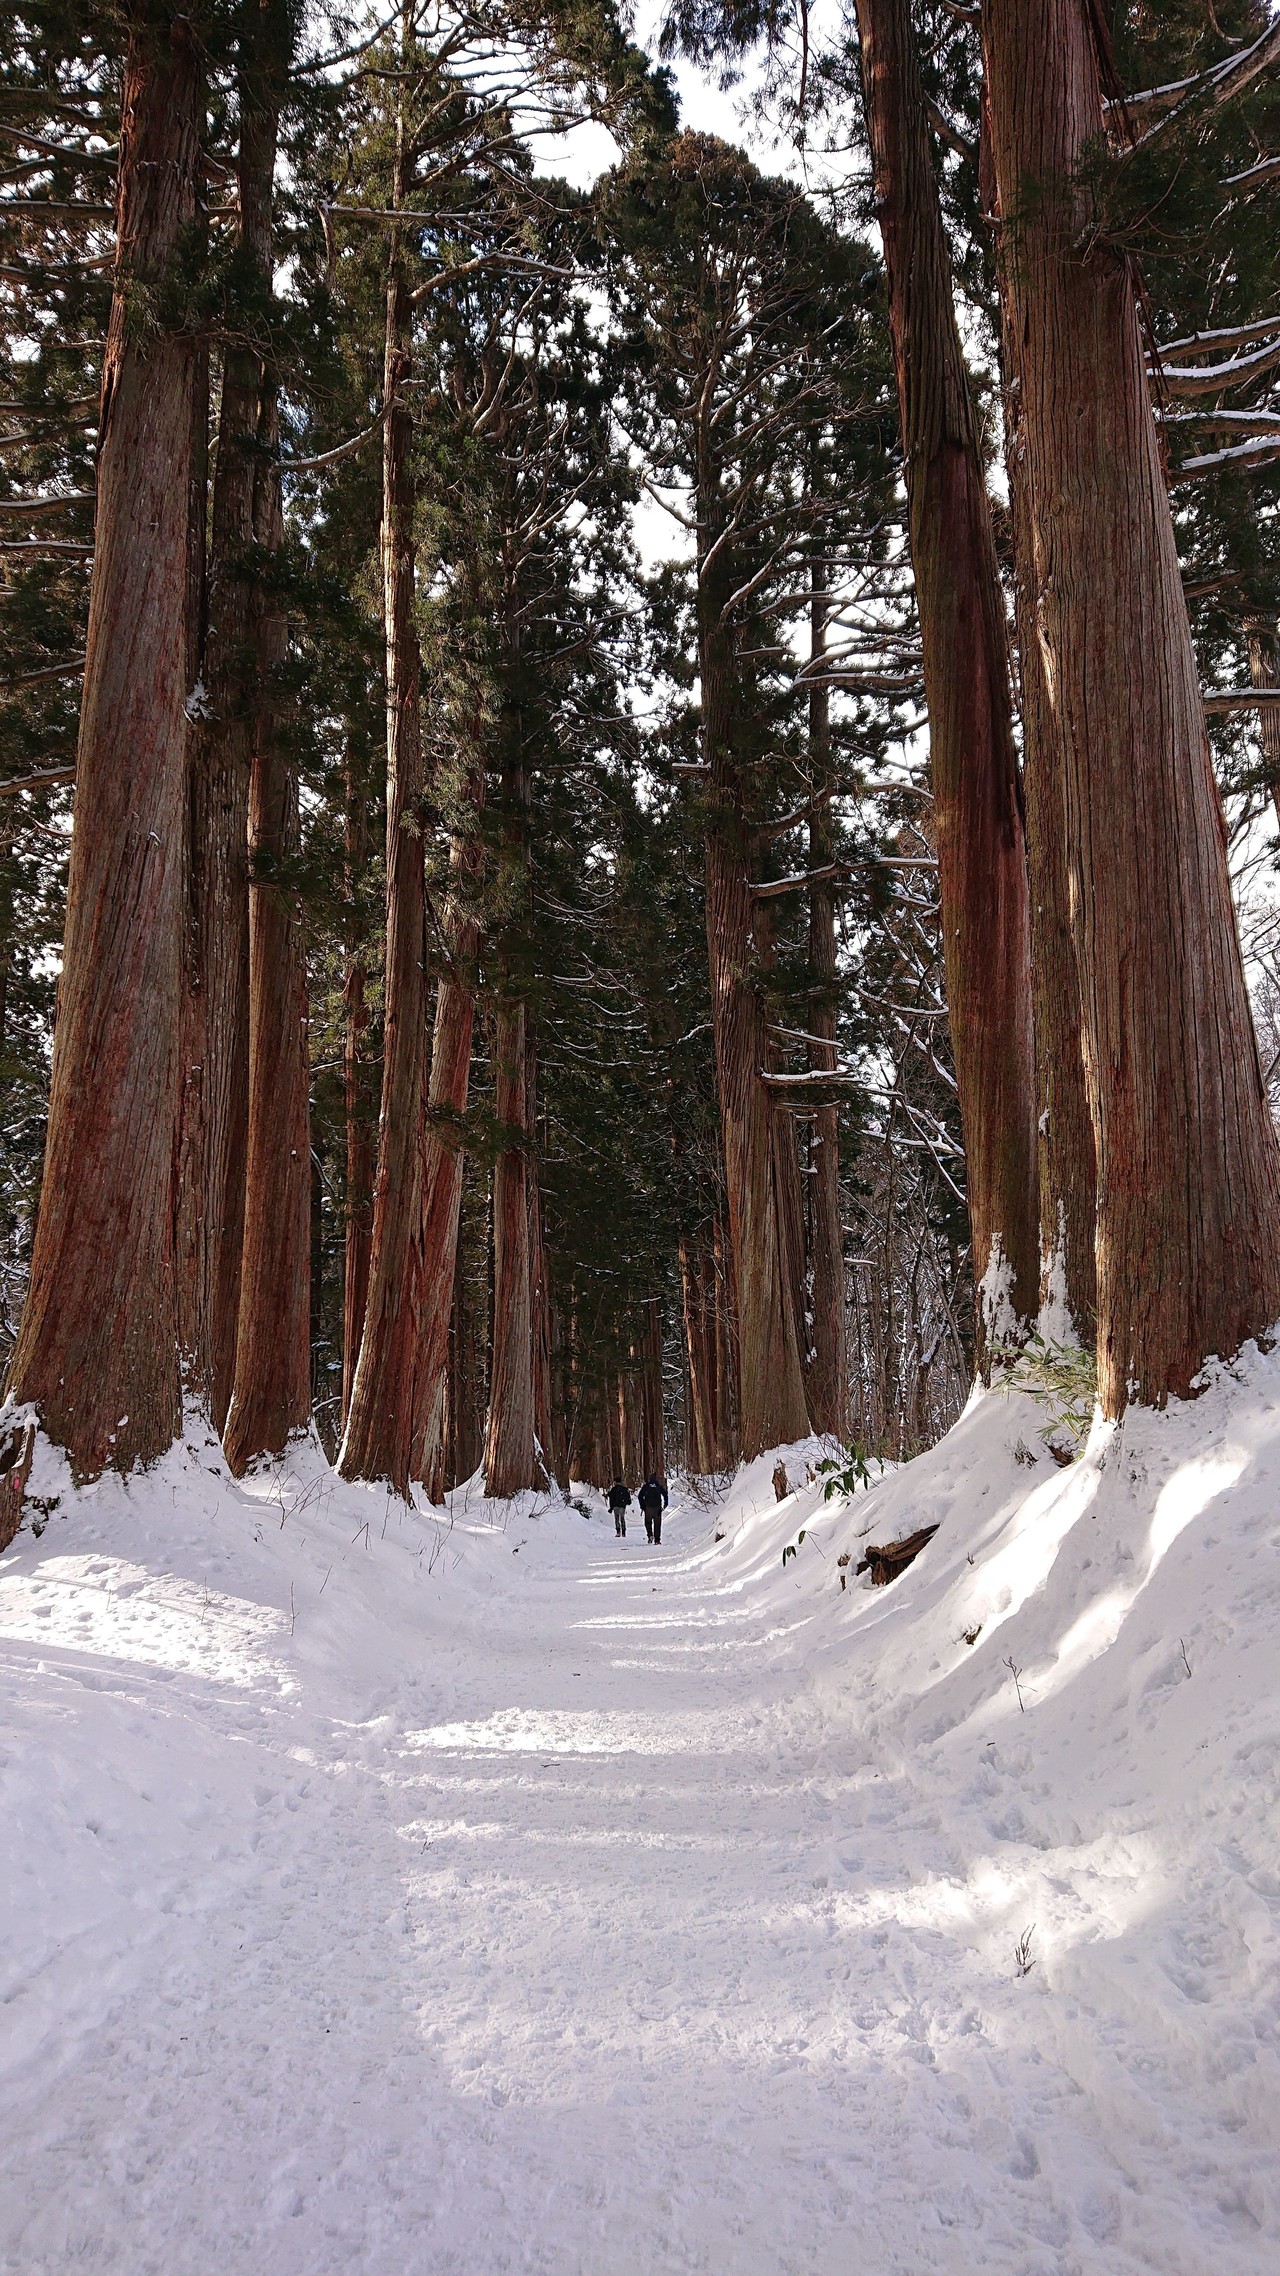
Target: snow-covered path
point(551, 1919)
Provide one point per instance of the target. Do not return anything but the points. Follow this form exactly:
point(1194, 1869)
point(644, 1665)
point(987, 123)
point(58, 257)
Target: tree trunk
point(97, 1352)
point(359, 1193)
point(215, 1101)
point(982, 872)
point(379, 1440)
point(1188, 1239)
point(444, 1161)
point(784, 1144)
point(510, 1455)
point(771, 1402)
point(1067, 1155)
point(724, 1315)
point(271, 1401)
point(700, 1360)
point(653, 1457)
point(826, 1385)
point(539, 1293)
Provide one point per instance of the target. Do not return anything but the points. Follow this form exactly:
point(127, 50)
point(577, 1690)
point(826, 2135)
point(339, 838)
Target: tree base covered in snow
point(389, 1893)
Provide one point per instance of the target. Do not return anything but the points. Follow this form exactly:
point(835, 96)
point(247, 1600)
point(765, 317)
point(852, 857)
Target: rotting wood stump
point(884, 1565)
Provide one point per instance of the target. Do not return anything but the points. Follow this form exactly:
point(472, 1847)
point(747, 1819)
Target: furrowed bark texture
point(98, 1349)
point(359, 1194)
point(1188, 1238)
point(215, 1104)
point(510, 1454)
point(271, 1401)
point(771, 1400)
point(1068, 1165)
point(444, 1161)
point(827, 1374)
point(379, 1438)
point(982, 871)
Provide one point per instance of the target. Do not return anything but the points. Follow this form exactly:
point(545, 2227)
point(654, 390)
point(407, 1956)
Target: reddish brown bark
point(977, 802)
point(560, 1418)
point(359, 1193)
point(97, 1351)
point(539, 1294)
point(510, 1456)
point(1188, 1239)
point(271, 1400)
point(771, 1401)
point(379, 1440)
point(709, 1350)
point(215, 1099)
point(1067, 1155)
point(724, 1319)
point(826, 1377)
point(443, 1158)
point(699, 1361)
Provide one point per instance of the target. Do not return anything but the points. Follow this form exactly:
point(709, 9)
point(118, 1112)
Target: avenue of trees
point(635, 820)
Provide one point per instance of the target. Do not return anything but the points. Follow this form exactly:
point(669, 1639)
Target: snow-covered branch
point(1219, 84)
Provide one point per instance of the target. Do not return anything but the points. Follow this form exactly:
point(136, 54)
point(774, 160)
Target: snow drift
point(406, 1895)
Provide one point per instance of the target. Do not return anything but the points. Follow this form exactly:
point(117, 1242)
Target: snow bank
point(399, 1894)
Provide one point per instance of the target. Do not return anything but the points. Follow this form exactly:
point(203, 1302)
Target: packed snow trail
point(505, 1897)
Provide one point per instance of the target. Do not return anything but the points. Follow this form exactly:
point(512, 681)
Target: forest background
point(580, 1013)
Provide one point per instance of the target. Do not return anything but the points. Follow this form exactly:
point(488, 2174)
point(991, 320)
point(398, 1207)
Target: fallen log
point(884, 1565)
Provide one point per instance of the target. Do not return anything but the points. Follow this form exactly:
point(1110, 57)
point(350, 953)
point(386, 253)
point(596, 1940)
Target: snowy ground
point(408, 1901)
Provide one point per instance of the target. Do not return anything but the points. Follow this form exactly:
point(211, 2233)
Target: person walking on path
point(653, 1500)
point(619, 1502)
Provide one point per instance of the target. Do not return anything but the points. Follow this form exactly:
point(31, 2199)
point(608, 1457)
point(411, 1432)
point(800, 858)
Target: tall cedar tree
point(97, 1351)
point(1188, 1237)
point(215, 1073)
point(726, 275)
point(972, 761)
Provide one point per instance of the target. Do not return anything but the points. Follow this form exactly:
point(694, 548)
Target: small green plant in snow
point(1062, 1376)
point(845, 1474)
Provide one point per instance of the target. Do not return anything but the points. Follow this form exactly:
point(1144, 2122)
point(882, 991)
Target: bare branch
point(71, 670)
point(43, 780)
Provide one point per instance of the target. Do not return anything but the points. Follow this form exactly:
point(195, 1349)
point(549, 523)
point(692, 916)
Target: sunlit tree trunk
point(982, 870)
point(97, 1352)
point(379, 1440)
point(1188, 1239)
point(443, 1158)
point(1067, 1156)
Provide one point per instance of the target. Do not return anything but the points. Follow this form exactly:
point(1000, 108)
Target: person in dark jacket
point(653, 1500)
point(619, 1503)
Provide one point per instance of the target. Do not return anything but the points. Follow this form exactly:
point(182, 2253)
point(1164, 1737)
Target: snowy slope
point(403, 1898)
